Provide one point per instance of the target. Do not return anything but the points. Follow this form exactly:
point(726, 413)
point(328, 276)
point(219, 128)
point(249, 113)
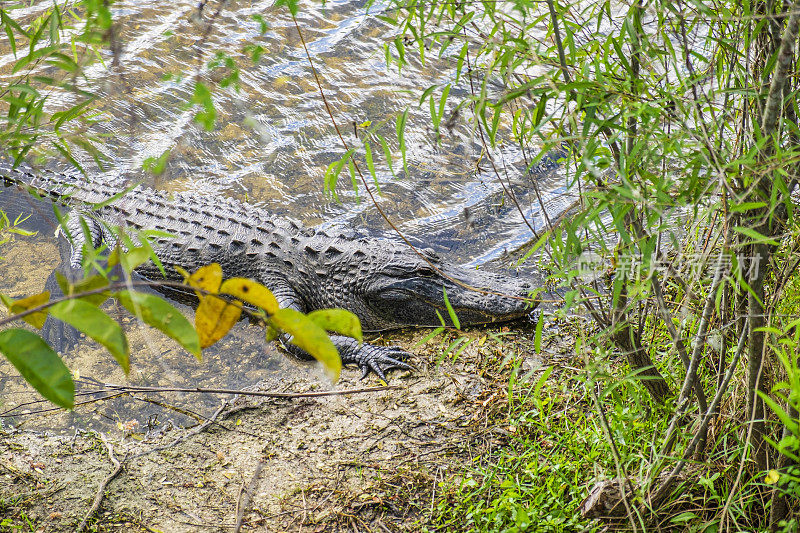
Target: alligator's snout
point(420, 296)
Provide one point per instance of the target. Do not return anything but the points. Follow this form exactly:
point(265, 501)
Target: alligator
point(384, 282)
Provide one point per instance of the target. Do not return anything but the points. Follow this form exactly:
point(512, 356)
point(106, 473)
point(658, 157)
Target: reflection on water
point(273, 142)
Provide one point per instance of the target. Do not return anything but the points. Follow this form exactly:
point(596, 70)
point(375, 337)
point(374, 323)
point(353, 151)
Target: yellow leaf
point(214, 318)
point(251, 292)
point(36, 319)
point(311, 338)
point(182, 271)
point(772, 477)
point(339, 321)
point(113, 257)
point(207, 278)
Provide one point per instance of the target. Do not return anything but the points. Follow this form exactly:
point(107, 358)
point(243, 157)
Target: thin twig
point(285, 395)
point(119, 465)
point(246, 495)
point(98, 497)
point(197, 430)
point(122, 285)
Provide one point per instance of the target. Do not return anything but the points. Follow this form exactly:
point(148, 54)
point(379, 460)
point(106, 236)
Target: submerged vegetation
point(677, 126)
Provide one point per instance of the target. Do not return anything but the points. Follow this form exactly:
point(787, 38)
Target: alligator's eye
point(425, 271)
point(430, 254)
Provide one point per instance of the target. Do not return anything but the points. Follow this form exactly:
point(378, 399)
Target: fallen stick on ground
point(98, 497)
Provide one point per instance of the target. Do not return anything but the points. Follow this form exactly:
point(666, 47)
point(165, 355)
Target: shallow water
point(271, 145)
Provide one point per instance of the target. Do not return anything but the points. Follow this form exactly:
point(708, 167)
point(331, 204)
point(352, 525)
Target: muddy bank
point(365, 462)
point(368, 462)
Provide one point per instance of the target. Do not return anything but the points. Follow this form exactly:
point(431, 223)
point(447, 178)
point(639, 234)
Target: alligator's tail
point(70, 189)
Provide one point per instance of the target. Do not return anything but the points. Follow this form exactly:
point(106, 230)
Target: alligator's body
point(384, 282)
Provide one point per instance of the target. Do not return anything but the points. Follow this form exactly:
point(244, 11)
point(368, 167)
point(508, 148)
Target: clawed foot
point(380, 359)
point(368, 357)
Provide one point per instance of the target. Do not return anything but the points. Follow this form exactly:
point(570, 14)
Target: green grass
point(534, 477)
point(541, 445)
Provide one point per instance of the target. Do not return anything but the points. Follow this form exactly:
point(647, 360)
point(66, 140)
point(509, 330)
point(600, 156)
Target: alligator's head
point(406, 291)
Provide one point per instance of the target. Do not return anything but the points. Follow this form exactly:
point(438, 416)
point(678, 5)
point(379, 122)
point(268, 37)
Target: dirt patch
point(368, 462)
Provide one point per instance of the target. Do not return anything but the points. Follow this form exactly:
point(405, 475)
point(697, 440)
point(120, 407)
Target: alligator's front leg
point(368, 357)
point(78, 233)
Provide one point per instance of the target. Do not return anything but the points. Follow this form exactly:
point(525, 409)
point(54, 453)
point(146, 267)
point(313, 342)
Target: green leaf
point(156, 165)
point(333, 171)
point(67, 153)
point(263, 26)
point(450, 310)
point(427, 92)
point(55, 24)
point(39, 365)
point(90, 320)
point(537, 339)
point(429, 336)
point(338, 320)
point(387, 154)
point(790, 423)
point(401, 52)
point(307, 335)
point(291, 4)
point(160, 314)
point(683, 517)
point(351, 168)
point(401, 136)
point(134, 257)
point(371, 165)
point(460, 62)
point(202, 97)
point(32, 57)
point(9, 33)
point(23, 89)
point(746, 206)
point(442, 102)
point(495, 124)
point(537, 390)
point(434, 115)
point(85, 285)
point(756, 236)
point(111, 200)
point(75, 111)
